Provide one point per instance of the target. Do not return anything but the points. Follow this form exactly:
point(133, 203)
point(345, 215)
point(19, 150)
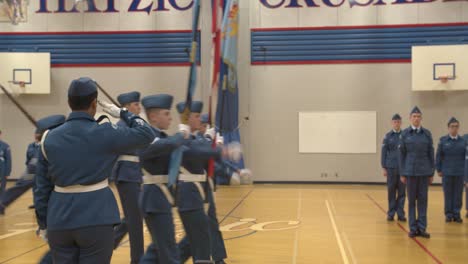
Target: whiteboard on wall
point(338, 132)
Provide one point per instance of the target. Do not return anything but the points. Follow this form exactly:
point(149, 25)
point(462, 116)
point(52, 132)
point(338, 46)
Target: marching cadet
point(190, 190)
point(218, 249)
point(417, 171)
point(224, 173)
point(389, 162)
point(157, 200)
point(26, 181)
point(74, 205)
point(5, 164)
point(128, 177)
point(450, 165)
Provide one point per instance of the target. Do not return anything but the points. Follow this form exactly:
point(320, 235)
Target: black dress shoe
point(390, 218)
point(402, 219)
point(458, 220)
point(31, 206)
point(413, 234)
point(448, 219)
point(424, 234)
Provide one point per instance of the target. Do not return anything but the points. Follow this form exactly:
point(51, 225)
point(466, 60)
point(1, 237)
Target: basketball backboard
point(439, 68)
point(27, 73)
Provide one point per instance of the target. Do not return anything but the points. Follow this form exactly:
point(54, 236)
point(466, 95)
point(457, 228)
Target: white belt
point(192, 177)
point(160, 181)
point(82, 188)
point(129, 158)
point(186, 176)
point(155, 179)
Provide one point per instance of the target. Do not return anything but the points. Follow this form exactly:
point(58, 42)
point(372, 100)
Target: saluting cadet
point(26, 181)
point(450, 165)
point(157, 199)
point(218, 249)
point(191, 188)
point(389, 162)
point(417, 171)
point(5, 164)
point(128, 176)
point(73, 200)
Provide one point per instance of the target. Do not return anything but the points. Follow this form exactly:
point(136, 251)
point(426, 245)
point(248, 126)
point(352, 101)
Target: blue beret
point(163, 101)
point(396, 117)
point(127, 98)
point(452, 120)
point(416, 110)
point(204, 119)
point(196, 107)
point(82, 87)
point(49, 122)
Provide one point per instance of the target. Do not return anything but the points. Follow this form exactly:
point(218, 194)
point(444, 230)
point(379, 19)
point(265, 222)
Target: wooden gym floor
point(289, 224)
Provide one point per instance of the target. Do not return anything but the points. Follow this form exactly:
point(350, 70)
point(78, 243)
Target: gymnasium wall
point(272, 90)
point(123, 51)
point(347, 59)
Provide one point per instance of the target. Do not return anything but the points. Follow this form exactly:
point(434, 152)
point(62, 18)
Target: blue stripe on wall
point(360, 44)
point(109, 48)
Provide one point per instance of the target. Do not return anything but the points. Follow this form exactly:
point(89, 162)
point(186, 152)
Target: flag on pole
point(227, 111)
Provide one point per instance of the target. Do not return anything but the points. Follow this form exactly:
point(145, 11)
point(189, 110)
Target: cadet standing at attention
point(26, 181)
point(417, 171)
point(390, 165)
point(450, 165)
point(157, 199)
point(128, 177)
point(74, 205)
point(5, 164)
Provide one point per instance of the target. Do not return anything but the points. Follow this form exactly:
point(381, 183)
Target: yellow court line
point(296, 236)
point(337, 234)
point(350, 249)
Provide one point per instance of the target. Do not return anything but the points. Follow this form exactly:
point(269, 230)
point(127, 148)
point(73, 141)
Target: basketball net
point(17, 88)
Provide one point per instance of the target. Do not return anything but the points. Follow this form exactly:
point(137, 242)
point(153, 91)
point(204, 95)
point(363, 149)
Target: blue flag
point(227, 111)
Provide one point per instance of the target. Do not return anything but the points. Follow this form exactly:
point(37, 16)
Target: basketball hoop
point(443, 79)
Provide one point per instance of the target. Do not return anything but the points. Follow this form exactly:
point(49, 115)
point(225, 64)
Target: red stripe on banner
point(331, 62)
point(425, 249)
point(120, 65)
point(97, 32)
point(361, 27)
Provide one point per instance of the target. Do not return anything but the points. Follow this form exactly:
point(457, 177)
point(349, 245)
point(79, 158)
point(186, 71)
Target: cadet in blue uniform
point(450, 165)
point(218, 249)
point(389, 162)
point(192, 186)
point(417, 171)
point(225, 172)
point(73, 200)
point(157, 200)
point(26, 181)
point(127, 175)
point(5, 164)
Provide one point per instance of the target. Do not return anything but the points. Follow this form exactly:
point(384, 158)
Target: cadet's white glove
point(185, 130)
point(111, 109)
point(219, 139)
point(210, 132)
point(234, 151)
point(42, 233)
